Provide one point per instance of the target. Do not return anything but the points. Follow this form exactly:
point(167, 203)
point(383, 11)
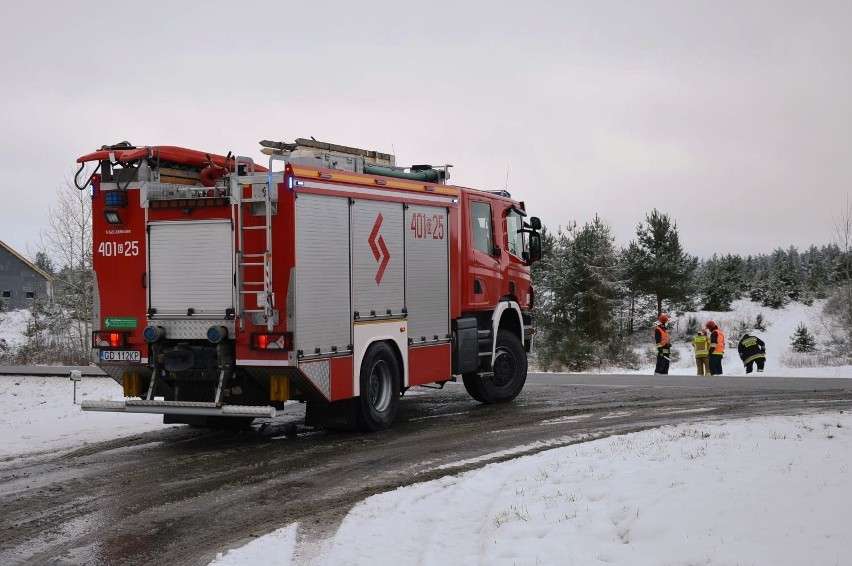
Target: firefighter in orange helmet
point(661, 337)
point(717, 348)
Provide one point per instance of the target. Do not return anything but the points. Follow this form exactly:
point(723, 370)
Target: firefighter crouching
point(752, 351)
point(717, 348)
point(701, 344)
point(661, 337)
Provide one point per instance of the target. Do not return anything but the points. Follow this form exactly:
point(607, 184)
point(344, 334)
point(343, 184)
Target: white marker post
point(75, 376)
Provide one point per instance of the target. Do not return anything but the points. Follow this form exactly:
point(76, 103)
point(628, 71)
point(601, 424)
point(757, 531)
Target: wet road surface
point(180, 495)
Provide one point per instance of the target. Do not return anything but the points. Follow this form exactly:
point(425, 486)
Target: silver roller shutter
point(378, 278)
point(191, 267)
point(427, 273)
point(322, 274)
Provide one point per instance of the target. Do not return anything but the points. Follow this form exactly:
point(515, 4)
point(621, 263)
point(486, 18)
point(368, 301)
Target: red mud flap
point(178, 408)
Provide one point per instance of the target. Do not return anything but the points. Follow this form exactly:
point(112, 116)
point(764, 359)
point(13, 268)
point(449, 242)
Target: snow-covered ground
point(758, 491)
point(770, 491)
point(13, 324)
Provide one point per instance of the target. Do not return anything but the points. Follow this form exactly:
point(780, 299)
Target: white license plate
point(121, 356)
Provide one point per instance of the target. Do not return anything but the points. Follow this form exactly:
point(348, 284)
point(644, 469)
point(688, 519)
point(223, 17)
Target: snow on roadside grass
point(13, 326)
point(37, 415)
point(269, 549)
point(758, 491)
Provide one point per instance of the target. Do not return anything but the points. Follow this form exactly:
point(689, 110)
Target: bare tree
point(837, 312)
point(67, 242)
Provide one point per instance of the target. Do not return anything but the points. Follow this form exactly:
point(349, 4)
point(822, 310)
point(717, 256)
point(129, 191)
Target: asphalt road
point(180, 495)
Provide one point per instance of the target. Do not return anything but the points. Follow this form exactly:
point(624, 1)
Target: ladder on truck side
point(249, 256)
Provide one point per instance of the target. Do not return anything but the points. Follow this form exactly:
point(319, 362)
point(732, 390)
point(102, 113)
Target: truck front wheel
point(380, 383)
point(473, 385)
point(509, 370)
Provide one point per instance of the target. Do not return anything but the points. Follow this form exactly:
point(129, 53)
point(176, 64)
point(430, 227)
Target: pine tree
point(657, 264)
point(759, 322)
point(719, 282)
point(803, 340)
point(594, 291)
point(43, 262)
point(577, 296)
point(770, 291)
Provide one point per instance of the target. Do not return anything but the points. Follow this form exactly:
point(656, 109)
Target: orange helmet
point(663, 319)
point(711, 325)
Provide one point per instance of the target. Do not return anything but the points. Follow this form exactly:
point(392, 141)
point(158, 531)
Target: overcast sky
point(609, 108)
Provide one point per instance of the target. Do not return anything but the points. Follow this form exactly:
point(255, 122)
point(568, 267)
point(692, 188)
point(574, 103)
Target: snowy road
point(179, 495)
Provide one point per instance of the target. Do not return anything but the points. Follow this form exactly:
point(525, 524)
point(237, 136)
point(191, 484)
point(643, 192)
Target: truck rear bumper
point(178, 408)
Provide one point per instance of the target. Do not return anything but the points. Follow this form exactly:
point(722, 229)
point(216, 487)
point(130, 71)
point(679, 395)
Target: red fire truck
point(331, 276)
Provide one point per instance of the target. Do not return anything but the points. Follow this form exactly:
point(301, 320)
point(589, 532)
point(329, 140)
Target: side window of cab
point(481, 227)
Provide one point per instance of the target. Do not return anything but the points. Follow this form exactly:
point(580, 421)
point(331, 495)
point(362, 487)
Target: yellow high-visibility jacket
point(702, 346)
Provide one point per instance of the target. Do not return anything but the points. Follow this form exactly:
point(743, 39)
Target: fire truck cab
point(225, 289)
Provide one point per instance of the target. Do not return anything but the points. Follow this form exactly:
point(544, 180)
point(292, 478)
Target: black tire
point(380, 383)
point(472, 383)
point(510, 370)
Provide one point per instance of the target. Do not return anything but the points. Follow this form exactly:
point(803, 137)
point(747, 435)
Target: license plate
point(120, 356)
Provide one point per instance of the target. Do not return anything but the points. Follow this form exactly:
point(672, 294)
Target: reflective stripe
point(755, 357)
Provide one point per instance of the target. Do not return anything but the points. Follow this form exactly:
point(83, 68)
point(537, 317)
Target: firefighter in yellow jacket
point(717, 348)
point(701, 344)
point(661, 337)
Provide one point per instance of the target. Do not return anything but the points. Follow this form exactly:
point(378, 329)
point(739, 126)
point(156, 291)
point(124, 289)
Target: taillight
point(272, 341)
point(105, 339)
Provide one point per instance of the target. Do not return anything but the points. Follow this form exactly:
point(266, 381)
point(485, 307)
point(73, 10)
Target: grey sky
point(732, 117)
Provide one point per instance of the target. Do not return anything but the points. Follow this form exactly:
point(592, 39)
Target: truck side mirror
point(535, 223)
point(535, 248)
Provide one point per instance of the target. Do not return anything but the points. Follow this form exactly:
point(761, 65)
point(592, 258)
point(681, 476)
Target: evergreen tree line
point(591, 295)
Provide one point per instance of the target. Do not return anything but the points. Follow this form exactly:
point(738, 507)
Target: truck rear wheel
point(380, 383)
point(510, 370)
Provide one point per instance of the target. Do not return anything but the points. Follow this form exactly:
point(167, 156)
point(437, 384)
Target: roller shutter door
point(191, 267)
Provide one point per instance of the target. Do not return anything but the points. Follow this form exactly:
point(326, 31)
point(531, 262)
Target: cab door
point(483, 284)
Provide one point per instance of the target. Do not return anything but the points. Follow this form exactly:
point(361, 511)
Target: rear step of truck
point(179, 408)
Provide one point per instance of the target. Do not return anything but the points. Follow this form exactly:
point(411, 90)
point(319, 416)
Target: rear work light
point(112, 217)
point(272, 341)
point(106, 339)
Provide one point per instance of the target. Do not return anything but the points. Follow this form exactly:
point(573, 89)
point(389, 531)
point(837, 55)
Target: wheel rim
point(380, 386)
point(505, 367)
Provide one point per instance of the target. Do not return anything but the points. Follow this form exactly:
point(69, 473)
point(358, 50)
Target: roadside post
point(75, 376)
